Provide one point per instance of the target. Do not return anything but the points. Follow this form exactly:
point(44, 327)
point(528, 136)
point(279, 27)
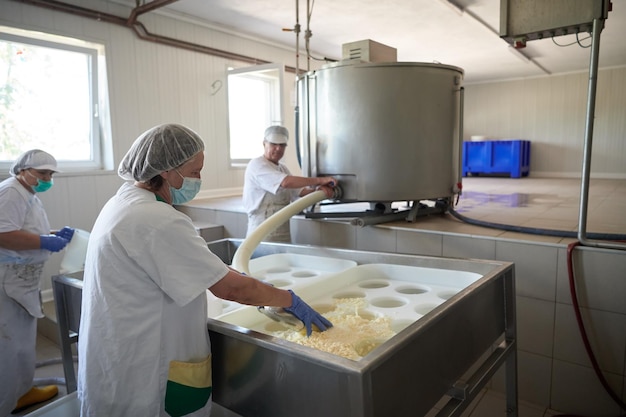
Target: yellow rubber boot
point(36, 395)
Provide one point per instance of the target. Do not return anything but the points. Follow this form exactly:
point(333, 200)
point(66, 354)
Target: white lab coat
point(263, 196)
point(20, 300)
point(22, 210)
point(144, 305)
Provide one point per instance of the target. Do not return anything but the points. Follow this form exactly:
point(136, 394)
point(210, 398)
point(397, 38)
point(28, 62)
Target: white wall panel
point(551, 113)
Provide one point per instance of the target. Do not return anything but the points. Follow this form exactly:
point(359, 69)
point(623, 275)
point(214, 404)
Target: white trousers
point(20, 306)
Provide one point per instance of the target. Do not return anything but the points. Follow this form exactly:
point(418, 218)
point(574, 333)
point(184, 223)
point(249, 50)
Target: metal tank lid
point(359, 63)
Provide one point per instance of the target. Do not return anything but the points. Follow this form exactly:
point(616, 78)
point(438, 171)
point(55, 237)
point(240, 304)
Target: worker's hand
point(66, 233)
point(327, 185)
point(329, 181)
point(307, 315)
point(53, 243)
point(330, 193)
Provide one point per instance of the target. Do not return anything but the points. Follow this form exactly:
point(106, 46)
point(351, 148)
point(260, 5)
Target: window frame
point(98, 97)
point(276, 103)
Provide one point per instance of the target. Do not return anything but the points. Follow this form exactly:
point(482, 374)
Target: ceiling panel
point(464, 33)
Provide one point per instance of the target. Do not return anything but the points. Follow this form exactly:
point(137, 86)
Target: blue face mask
point(189, 189)
point(41, 185)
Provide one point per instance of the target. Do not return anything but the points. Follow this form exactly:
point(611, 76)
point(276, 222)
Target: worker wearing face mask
point(25, 244)
point(143, 342)
point(269, 185)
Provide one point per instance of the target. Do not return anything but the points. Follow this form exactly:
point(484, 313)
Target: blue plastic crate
point(497, 157)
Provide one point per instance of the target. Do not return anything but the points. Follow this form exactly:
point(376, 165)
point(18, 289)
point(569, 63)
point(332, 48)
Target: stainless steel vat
point(387, 131)
point(451, 351)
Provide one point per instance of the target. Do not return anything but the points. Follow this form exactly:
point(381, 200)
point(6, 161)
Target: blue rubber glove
point(53, 243)
point(307, 315)
point(66, 233)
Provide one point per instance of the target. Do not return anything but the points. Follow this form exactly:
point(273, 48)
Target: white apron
point(271, 204)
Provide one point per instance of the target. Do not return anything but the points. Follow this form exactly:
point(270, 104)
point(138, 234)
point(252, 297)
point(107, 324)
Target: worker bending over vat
point(144, 348)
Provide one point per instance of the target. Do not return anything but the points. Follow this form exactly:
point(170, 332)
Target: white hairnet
point(276, 134)
point(159, 149)
point(35, 158)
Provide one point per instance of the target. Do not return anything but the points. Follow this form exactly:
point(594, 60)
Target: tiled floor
point(532, 209)
point(536, 204)
point(526, 202)
point(540, 204)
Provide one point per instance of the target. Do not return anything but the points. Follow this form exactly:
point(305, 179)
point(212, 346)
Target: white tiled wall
point(575, 387)
point(535, 327)
point(535, 268)
point(456, 246)
point(334, 234)
point(412, 242)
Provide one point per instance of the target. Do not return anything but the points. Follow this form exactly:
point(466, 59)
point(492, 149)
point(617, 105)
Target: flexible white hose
point(241, 259)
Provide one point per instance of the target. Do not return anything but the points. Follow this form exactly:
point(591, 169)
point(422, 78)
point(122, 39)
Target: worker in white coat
point(143, 343)
point(25, 245)
point(269, 186)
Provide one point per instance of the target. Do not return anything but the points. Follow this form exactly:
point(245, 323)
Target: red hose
point(583, 332)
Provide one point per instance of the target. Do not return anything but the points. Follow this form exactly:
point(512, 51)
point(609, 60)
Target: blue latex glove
point(66, 233)
point(53, 243)
point(307, 315)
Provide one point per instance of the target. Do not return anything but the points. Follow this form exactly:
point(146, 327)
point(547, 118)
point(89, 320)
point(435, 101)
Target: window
point(254, 103)
point(50, 98)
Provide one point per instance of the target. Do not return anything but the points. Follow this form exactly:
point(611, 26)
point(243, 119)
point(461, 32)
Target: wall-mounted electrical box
point(525, 20)
point(369, 51)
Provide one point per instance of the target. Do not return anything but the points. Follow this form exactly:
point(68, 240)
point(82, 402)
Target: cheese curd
point(354, 333)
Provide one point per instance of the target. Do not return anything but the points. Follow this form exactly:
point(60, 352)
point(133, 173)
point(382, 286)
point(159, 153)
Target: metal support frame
point(67, 300)
point(463, 393)
point(371, 217)
point(518, 25)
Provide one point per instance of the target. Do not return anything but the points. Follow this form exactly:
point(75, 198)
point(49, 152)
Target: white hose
point(241, 259)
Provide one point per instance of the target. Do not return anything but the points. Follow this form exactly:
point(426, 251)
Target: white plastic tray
point(284, 270)
point(294, 270)
point(402, 293)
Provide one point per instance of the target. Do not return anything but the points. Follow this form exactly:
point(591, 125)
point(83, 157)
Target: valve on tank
point(337, 193)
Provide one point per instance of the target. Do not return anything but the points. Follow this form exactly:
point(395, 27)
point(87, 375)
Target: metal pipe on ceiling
point(148, 7)
point(76, 10)
point(141, 31)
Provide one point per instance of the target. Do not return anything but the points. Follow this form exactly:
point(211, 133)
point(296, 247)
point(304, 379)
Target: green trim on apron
point(181, 399)
point(189, 387)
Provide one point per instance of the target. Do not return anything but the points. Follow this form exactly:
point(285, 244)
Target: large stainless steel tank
point(386, 131)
